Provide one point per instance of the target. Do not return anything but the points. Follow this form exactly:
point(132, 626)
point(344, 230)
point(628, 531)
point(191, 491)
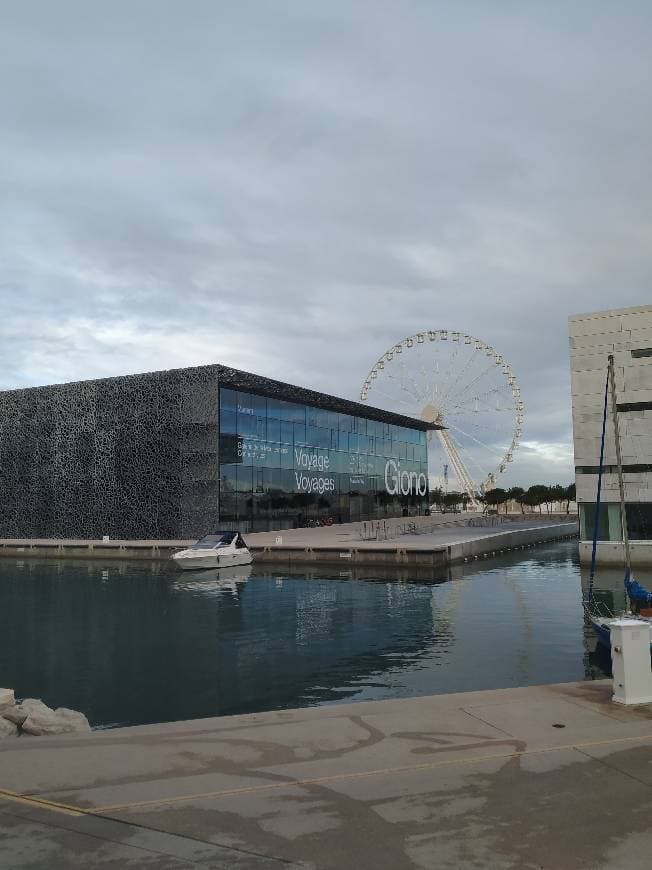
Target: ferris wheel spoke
point(478, 441)
point(449, 371)
point(463, 371)
point(468, 457)
point(479, 397)
point(404, 389)
point(394, 400)
point(415, 385)
point(477, 379)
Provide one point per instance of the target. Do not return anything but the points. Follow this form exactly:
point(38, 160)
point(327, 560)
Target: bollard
point(630, 660)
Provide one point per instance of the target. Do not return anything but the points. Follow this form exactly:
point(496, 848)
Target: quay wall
point(403, 553)
point(613, 553)
point(406, 551)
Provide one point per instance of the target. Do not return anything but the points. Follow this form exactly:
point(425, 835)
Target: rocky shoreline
point(33, 718)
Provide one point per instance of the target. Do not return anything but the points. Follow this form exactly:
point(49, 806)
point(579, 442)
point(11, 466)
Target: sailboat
point(637, 595)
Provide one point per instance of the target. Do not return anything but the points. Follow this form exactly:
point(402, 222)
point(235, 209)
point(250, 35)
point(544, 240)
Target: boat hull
point(192, 561)
point(602, 630)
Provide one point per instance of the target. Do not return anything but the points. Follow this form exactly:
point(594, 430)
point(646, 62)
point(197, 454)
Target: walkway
point(553, 777)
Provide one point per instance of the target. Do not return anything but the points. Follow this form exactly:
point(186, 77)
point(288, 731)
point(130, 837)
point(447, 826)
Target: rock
point(21, 711)
point(76, 720)
point(7, 729)
point(6, 698)
point(47, 722)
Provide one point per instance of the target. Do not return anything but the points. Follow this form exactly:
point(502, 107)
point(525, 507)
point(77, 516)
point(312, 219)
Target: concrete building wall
point(627, 334)
point(133, 457)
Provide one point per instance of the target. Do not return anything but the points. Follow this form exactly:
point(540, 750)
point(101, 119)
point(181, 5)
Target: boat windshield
point(211, 542)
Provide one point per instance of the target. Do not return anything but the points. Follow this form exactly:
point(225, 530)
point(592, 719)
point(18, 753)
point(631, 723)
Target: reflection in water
point(133, 643)
point(212, 581)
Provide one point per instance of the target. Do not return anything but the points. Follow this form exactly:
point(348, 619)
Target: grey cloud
point(294, 186)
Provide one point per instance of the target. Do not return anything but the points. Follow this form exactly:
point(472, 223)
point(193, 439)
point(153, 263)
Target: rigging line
point(594, 547)
point(481, 443)
point(476, 379)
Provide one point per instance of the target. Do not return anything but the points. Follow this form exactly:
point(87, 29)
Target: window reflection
point(282, 463)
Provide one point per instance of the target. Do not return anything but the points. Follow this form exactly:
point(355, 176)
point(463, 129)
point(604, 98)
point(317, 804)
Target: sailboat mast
point(619, 465)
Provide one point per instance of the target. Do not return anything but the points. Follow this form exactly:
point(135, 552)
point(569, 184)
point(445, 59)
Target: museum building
point(626, 334)
point(175, 454)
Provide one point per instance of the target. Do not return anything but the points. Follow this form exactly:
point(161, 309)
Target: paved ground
point(440, 530)
point(551, 777)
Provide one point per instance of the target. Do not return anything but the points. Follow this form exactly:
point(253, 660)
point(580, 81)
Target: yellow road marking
point(338, 777)
point(42, 803)
point(55, 806)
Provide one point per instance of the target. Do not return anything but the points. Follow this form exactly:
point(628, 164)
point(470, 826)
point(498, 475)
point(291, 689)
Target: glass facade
point(639, 522)
point(284, 464)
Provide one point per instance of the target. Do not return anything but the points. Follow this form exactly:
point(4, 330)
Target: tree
point(436, 496)
point(569, 496)
point(495, 496)
point(557, 493)
point(537, 495)
point(516, 494)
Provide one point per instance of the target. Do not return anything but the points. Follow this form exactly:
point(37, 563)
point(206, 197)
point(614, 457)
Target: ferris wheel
point(463, 385)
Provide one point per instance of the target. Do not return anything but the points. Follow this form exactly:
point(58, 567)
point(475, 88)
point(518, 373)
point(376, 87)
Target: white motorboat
point(217, 550)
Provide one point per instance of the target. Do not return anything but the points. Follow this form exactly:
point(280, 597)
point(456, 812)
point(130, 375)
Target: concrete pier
point(554, 777)
point(442, 539)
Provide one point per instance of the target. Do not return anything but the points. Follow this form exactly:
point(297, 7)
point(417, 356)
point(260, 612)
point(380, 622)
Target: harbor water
point(131, 643)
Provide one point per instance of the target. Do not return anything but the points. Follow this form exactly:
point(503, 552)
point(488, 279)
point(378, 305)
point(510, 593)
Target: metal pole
point(598, 503)
point(619, 464)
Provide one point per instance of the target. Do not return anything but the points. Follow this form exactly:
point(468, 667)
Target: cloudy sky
point(292, 187)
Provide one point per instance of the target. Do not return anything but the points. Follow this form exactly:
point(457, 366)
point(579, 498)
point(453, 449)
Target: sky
point(292, 187)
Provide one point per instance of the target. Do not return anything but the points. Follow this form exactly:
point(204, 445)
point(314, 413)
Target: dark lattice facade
point(132, 457)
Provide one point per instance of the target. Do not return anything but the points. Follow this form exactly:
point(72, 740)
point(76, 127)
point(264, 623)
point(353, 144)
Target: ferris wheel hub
point(431, 414)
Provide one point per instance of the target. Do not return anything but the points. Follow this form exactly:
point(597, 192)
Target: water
point(133, 643)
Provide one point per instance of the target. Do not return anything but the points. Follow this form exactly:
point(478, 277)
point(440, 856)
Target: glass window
point(610, 523)
point(228, 478)
point(274, 408)
point(273, 429)
point(283, 463)
point(639, 521)
point(317, 417)
point(228, 422)
point(245, 479)
point(287, 432)
point(228, 399)
point(295, 413)
point(246, 425)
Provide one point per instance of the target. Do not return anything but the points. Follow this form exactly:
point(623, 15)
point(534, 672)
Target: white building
point(627, 334)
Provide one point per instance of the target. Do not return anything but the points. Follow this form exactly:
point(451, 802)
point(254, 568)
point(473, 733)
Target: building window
point(639, 522)
point(282, 464)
